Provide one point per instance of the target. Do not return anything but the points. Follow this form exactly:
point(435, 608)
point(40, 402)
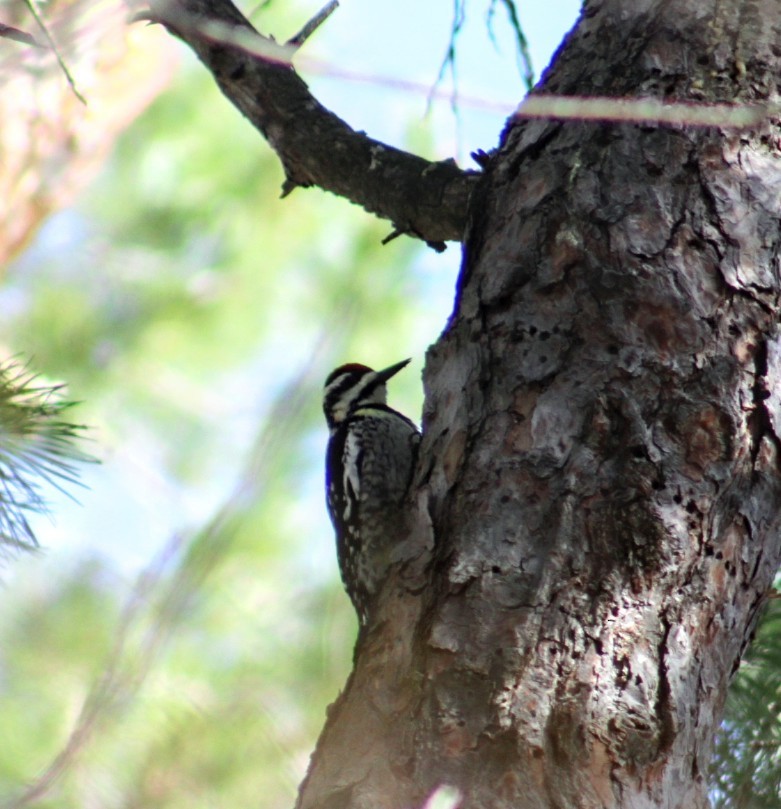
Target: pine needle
point(53, 45)
point(37, 447)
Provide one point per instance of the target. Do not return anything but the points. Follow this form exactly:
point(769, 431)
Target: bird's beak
point(387, 373)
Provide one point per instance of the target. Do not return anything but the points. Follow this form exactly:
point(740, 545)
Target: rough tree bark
point(597, 507)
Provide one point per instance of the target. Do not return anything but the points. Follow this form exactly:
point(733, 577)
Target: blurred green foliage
point(188, 308)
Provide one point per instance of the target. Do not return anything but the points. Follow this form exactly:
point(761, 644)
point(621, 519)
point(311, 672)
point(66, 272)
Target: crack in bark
point(663, 708)
point(759, 423)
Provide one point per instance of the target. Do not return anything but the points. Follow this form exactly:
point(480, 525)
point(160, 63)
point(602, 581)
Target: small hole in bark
point(532, 330)
point(691, 507)
point(677, 499)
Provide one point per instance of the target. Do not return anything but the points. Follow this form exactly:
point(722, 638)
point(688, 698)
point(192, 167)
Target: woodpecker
point(369, 462)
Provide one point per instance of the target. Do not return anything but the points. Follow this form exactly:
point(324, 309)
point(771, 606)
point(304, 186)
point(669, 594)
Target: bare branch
point(325, 12)
point(449, 59)
point(421, 198)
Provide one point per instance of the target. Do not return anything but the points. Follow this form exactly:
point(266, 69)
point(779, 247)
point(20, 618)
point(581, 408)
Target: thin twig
point(394, 234)
point(34, 11)
point(325, 12)
point(449, 60)
point(521, 44)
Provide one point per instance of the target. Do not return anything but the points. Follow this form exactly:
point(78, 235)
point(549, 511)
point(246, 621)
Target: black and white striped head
point(352, 386)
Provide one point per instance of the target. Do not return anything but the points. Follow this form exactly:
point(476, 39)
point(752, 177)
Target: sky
point(391, 43)
point(373, 63)
point(406, 41)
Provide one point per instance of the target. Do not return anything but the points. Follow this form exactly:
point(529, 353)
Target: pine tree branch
point(37, 446)
point(421, 198)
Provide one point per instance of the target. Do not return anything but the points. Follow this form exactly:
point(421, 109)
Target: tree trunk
point(596, 516)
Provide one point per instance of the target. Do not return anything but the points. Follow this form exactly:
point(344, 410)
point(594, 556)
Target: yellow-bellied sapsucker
point(369, 463)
